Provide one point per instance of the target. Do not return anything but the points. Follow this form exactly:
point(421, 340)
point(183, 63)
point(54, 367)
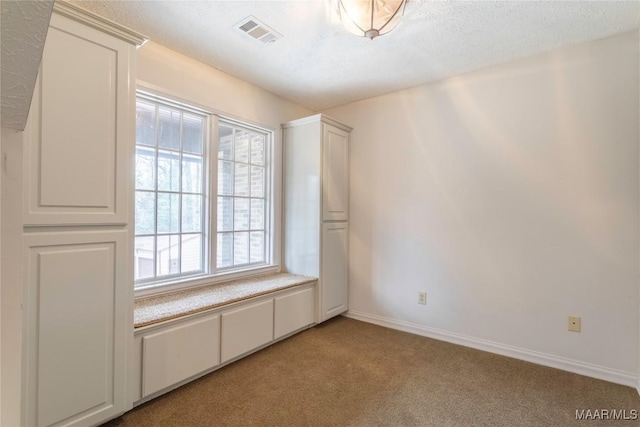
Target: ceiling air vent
point(257, 30)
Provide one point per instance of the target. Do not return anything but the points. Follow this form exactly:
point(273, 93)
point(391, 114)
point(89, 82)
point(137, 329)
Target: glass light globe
point(370, 18)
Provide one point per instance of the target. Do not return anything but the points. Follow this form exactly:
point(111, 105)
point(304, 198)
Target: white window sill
point(173, 305)
point(203, 280)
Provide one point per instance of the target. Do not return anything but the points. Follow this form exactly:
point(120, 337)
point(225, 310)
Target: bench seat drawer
point(175, 354)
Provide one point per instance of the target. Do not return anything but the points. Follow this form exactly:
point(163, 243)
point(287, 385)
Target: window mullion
point(155, 229)
point(213, 193)
point(233, 198)
point(203, 189)
point(180, 173)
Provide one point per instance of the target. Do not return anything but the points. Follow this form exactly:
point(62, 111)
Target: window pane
point(167, 254)
point(257, 214)
point(225, 142)
point(241, 180)
point(170, 182)
point(168, 171)
point(241, 214)
point(145, 169)
point(257, 181)
point(257, 246)
point(241, 248)
point(169, 130)
point(225, 213)
point(242, 146)
point(191, 253)
point(257, 149)
point(143, 257)
point(192, 133)
point(145, 212)
point(224, 250)
point(191, 174)
point(168, 213)
point(242, 191)
point(225, 178)
point(191, 213)
point(145, 123)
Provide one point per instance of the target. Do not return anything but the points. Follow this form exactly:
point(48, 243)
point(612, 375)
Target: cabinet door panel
point(335, 174)
point(78, 123)
point(178, 353)
point(78, 326)
point(293, 311)
point(334, 278)
point(79, 134)
point(246, 328)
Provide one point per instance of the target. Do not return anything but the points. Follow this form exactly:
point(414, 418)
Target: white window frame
point(211, 274)
point(204, 220)
point(268, 197)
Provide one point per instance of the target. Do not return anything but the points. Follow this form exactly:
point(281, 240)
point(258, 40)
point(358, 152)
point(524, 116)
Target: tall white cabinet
point(316, 231)
point(77, 220)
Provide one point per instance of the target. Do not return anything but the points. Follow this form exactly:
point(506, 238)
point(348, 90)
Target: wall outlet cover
point(574, 323)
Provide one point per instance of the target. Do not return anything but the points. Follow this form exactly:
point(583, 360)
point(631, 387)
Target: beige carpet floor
point(349, 373)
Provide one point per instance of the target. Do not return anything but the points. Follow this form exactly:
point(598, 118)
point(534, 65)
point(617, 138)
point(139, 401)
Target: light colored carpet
point(349, 373)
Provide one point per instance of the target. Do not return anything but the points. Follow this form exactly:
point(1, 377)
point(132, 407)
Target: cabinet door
point(246, 328)
point(79, 326)
point(334, 277)
point(175, 354)
point(79, 137)
point(293, 311)
point(335, 174)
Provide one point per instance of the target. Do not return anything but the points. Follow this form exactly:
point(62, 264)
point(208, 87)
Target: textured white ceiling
point(317, 64)
point(23, 30)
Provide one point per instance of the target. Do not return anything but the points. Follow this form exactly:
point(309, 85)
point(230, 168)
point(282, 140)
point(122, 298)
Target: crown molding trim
point(98, 22)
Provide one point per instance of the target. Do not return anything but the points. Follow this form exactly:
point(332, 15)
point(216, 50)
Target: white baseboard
point(575, 366)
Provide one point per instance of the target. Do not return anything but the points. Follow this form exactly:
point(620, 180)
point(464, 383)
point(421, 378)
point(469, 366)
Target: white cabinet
point(78, 160)
point(246, 328)
point(175, 354)
point(335, 246)
point(335, 174)
point(316, 182)
point(293, 312)
point(78, 321)
point(167, 355)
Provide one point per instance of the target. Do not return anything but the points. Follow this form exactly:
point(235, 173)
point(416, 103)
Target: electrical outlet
point(422, 297)
point(574, 323)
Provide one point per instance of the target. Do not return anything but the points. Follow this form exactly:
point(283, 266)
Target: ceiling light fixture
point(370, 18)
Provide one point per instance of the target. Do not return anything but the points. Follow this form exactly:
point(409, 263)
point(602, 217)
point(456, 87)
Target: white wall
point(511, 196)
point(11, 275)
point(179, 75)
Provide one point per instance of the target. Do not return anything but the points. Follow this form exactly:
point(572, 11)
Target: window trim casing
point(211, 276)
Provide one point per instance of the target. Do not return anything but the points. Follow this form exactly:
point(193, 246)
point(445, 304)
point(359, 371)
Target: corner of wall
point(11, 276)
point(1, 173)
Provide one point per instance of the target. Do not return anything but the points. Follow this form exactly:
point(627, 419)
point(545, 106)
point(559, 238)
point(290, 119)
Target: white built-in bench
point(169, 306)
point(183, 335)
